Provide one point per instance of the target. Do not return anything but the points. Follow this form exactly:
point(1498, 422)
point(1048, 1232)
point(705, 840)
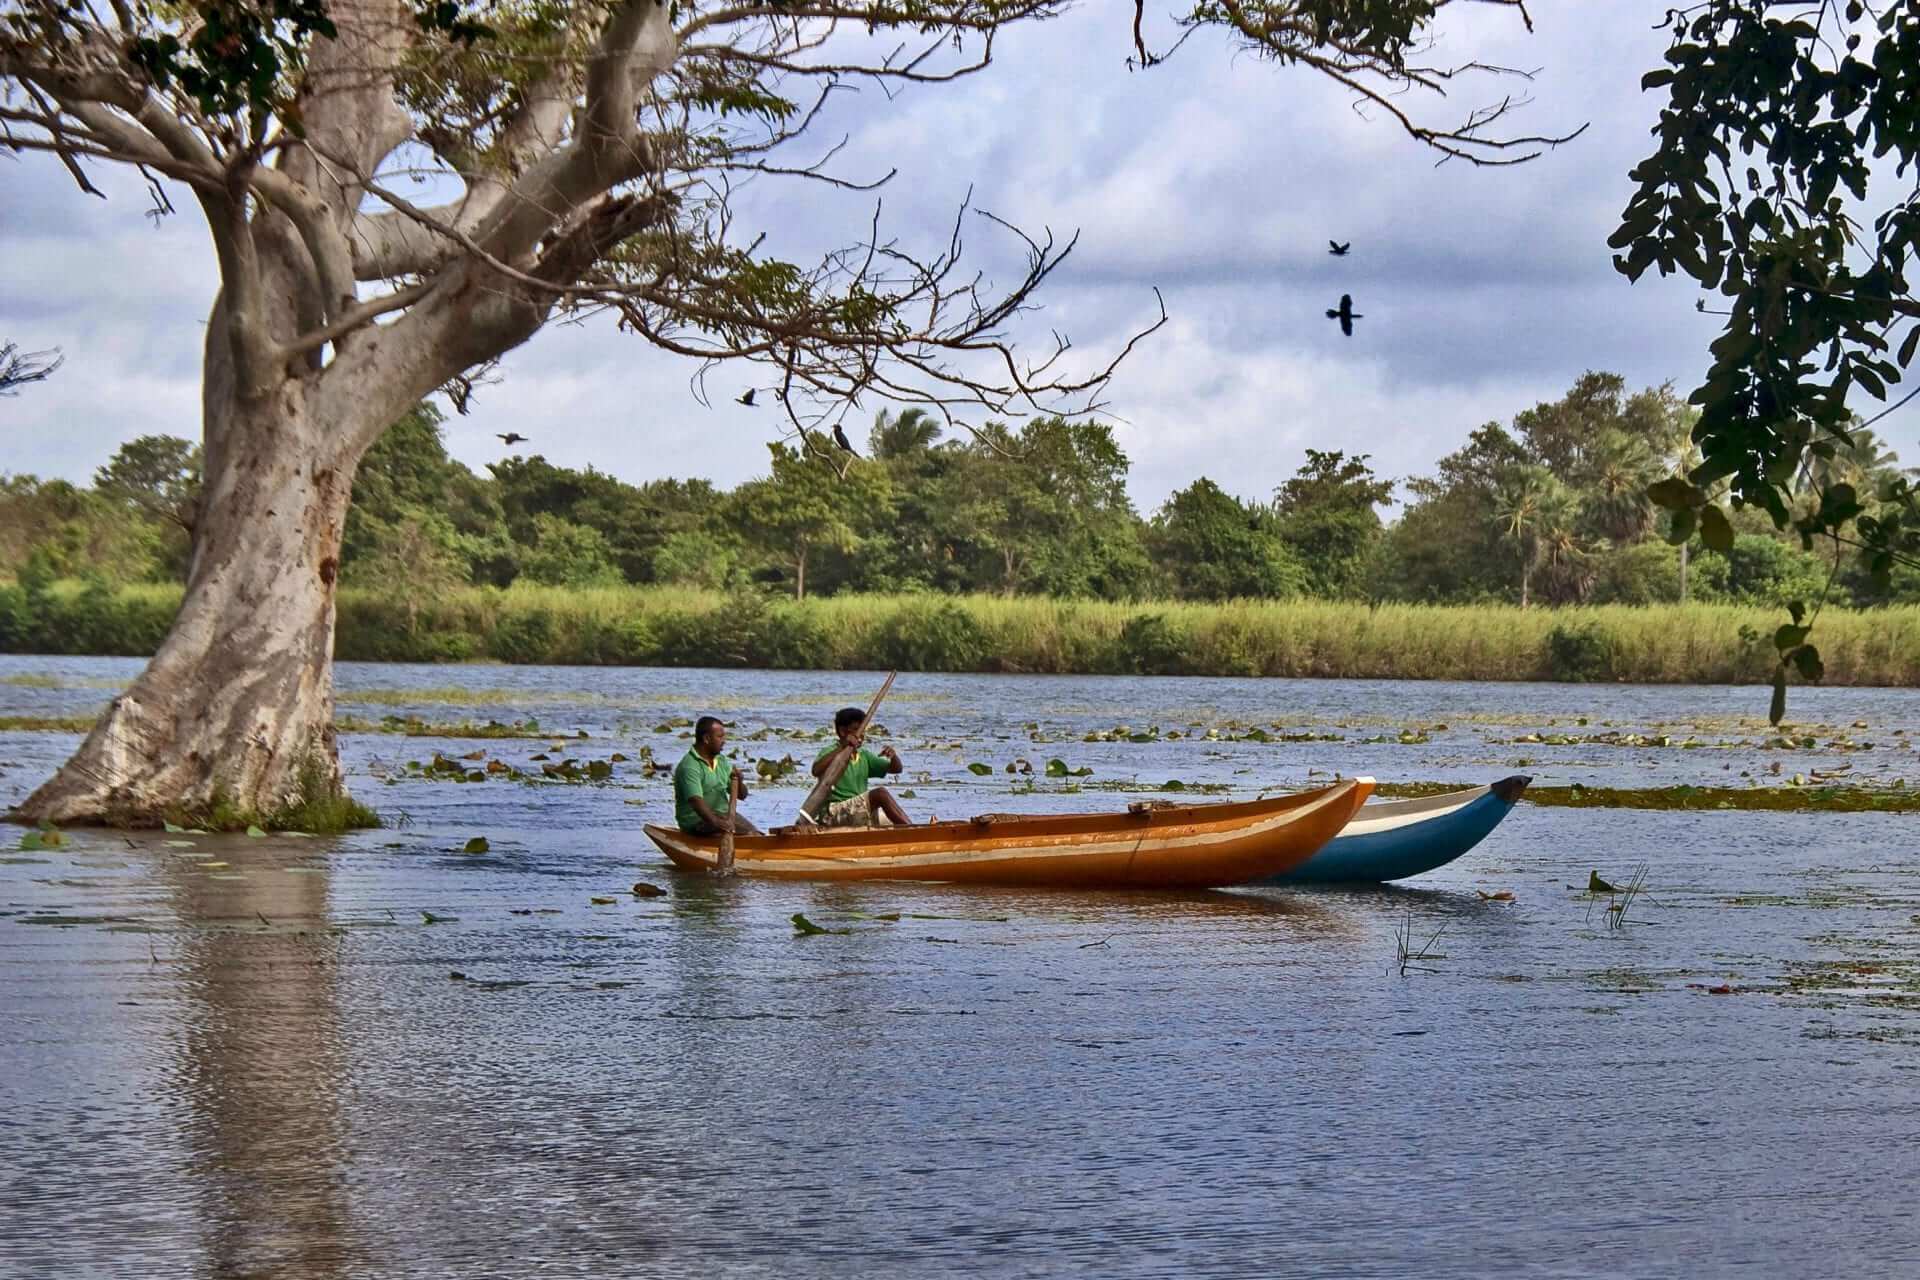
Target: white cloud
point(1217, 177)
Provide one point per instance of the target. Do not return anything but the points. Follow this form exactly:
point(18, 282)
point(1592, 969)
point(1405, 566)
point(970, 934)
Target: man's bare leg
point(883, 801)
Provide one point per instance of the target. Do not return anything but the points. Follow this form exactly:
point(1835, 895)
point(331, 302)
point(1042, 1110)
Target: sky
point(1216, 178)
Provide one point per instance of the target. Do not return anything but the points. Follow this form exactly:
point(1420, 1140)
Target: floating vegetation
point(469, 768)
point(774, 770)
point(476, 845)
point(415, 727)
point(45, 836)
point(1792, 799)
point(46, 724)
point(1612, 739)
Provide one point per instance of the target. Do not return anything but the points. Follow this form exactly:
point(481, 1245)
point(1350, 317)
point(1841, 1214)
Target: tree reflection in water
point(261, 1071)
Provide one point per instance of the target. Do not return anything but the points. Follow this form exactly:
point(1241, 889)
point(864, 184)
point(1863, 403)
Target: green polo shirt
point(853, 780)
point(694, 777)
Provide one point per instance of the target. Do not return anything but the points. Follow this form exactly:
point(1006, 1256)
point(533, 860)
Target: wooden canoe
point(1202, 846)
point(1395, 839)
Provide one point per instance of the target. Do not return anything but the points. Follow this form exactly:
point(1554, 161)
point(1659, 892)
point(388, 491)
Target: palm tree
point(1861, 462)
point(1565, 555)
point(896, 435)
point(1523, 498)
point(1617, 507)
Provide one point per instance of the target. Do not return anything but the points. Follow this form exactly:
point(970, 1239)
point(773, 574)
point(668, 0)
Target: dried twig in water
point(1404, 951)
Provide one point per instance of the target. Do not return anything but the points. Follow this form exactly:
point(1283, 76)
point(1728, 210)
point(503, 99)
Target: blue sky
point(1216, 178)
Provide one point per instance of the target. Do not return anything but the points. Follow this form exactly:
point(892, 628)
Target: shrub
point(790, 636)
point(1579, 653)
point(1155, 645)
point(932, 637)
point(522, 636)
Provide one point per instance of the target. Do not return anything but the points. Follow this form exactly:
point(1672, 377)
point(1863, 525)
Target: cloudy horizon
point(1216, 179)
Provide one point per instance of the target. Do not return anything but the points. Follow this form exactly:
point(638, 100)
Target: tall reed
point(680, 626)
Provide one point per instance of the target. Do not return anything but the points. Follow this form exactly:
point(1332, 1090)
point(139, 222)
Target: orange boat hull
point(1206, 846)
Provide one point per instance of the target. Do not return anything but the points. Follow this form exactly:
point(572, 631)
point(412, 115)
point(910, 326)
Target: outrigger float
point(1394, 839)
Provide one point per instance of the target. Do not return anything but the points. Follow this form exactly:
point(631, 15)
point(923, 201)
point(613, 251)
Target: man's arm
point(707, 815)
point(892, 757)
point(820, 765)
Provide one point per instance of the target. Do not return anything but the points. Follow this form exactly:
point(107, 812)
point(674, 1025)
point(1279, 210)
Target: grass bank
point(642, 626)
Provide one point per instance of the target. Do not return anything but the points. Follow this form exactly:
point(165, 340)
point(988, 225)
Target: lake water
point(225, 1056)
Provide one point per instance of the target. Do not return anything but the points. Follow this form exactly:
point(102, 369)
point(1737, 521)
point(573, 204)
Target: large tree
point(1209, 545)
point(1325, 512)
point(588, 152)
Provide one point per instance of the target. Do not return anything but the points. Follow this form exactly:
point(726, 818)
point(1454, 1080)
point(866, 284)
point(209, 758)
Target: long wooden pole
point(837, 764)
point(724, 865)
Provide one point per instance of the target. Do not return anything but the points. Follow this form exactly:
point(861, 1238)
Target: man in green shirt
point(700, 783)
point(852, 803)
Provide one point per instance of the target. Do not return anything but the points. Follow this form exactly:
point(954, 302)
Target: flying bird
point(1337, 249)
point(511, 438)
point(840, 438)
point(747, 398)
point(1345, 314)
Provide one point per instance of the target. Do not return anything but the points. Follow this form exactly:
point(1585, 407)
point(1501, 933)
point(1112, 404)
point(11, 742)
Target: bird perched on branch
point(1345, 314)
point(747, 398)
point(1337, 249)
point(840, 438)
point(511, 438)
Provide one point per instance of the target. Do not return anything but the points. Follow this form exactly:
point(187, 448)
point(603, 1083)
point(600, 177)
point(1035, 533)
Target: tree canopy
point(1494, 522)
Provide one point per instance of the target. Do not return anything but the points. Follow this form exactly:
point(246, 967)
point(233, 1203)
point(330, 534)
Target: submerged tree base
point(319, 807)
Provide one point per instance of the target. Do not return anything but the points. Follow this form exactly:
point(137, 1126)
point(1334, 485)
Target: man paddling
point(852, 803)
point(700, 783)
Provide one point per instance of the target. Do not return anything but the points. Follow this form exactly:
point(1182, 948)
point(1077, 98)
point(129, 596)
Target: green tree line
point(1551, 508)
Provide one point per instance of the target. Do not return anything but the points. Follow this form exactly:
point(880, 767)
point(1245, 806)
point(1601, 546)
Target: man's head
point(709, 735)
point(847, 721)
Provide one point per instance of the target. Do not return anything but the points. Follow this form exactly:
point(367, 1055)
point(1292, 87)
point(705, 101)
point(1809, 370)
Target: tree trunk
point(1526, 584)
point(800, 573)
point(237, 705)
point(1683, 572)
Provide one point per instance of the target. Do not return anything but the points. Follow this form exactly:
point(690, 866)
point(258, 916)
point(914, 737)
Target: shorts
point(855, 811)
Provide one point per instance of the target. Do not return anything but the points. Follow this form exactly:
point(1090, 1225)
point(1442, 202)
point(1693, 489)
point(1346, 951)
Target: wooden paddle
point(837, 764)
point(724, 865)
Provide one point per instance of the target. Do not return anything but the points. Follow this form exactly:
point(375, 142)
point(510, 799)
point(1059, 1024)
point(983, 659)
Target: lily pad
point(255, 832)
point(979, 770)
point(476, 845)
point(805, 927)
